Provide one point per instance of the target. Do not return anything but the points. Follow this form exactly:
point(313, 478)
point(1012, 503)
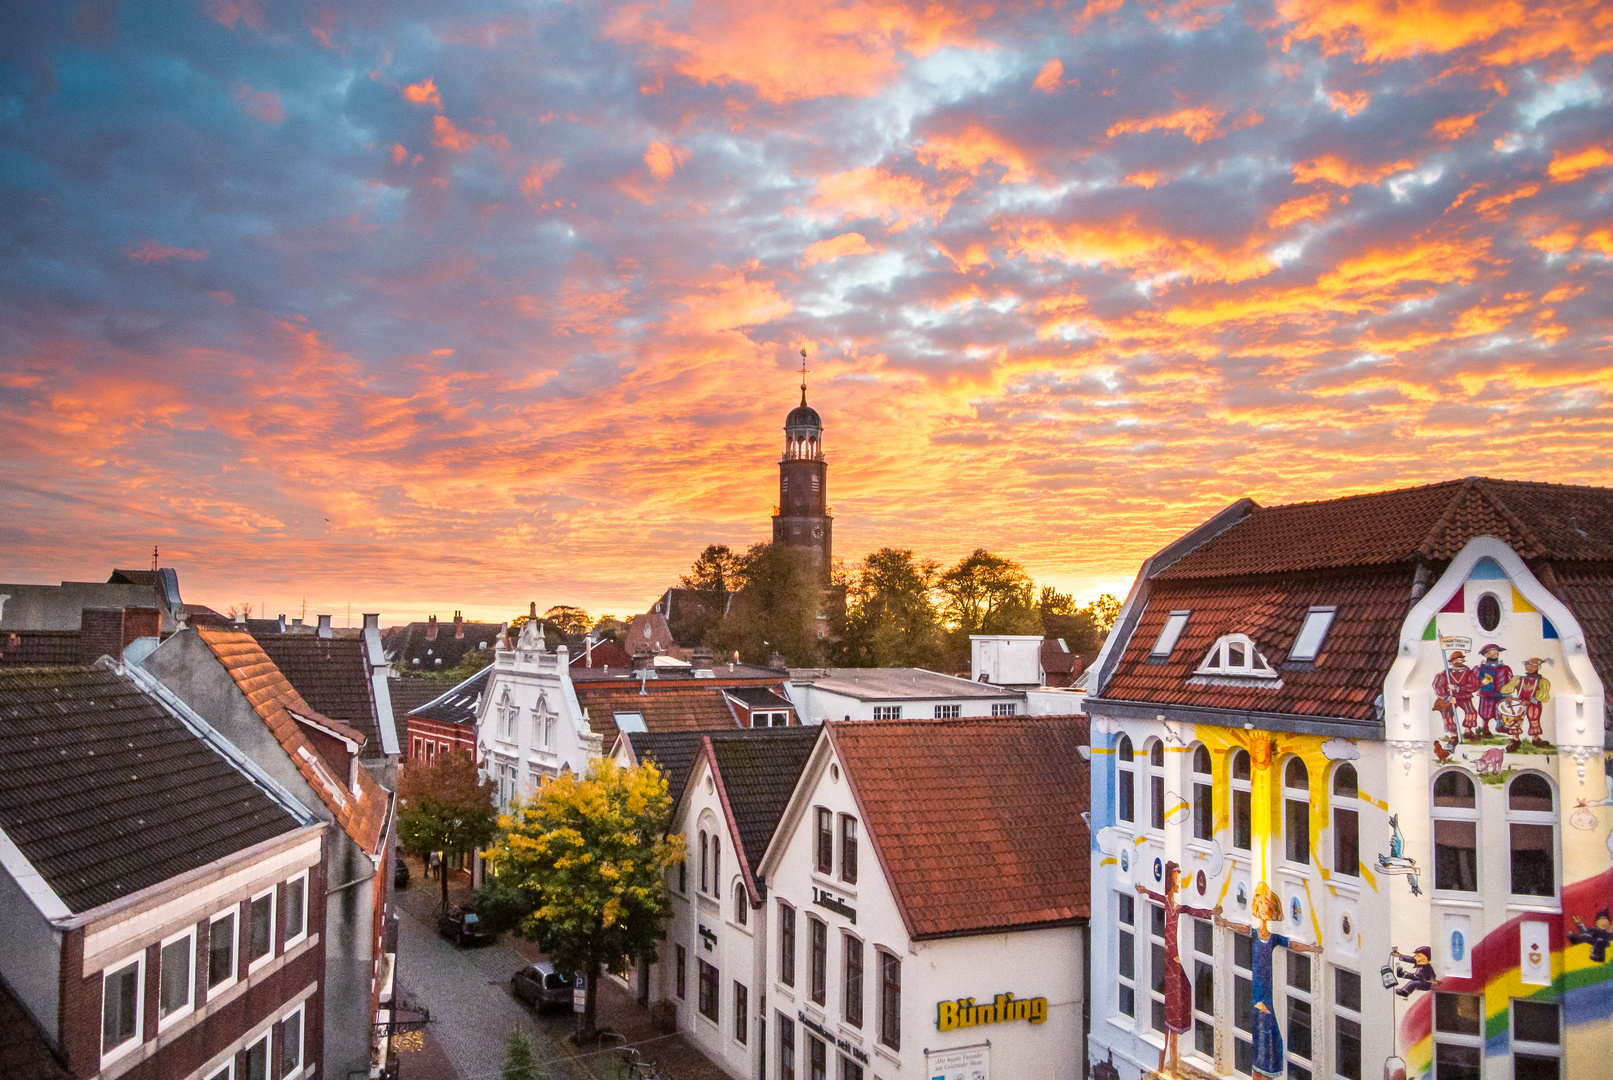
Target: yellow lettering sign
point(964, 1013)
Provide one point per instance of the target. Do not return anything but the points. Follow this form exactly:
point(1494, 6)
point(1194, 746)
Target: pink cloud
point(149, 251)
point(263, 104)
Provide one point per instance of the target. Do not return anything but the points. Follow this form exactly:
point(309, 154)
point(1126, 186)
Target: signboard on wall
point(964, 1063)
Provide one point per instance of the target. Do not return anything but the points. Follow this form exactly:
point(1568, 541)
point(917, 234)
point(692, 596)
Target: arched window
point(506, 717)
point(1242, 818)
point(1125, 781)
point(1236, 655)
point(1532, 821)
point(1456, 832)
point(716, 866)
point(741, 903)
point(1156, 784)
point(705, 865)
point(1346, 822)
point(1203, 795)
point(1296, 812)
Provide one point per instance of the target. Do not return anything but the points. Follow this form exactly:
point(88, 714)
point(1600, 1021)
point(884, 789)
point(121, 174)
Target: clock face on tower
point(817, 532)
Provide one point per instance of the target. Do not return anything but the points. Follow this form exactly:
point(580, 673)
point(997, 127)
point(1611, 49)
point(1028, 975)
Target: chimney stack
point(100, 634)
point(324, 626)
point(282, 621)
point(431, 628)
point(459, 626)
point(372, 621)
point(534, 609)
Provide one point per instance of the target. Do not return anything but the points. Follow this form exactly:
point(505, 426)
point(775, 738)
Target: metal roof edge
point(446, 693)
point(31, 881)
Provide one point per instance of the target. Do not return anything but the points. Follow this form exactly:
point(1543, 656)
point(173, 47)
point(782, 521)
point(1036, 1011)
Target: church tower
point(802, 519)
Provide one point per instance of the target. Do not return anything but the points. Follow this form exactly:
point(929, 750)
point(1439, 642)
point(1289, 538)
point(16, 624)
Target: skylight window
point(629, 721)
point(1236, 655)
point(1167, 636)
point(1311, 635)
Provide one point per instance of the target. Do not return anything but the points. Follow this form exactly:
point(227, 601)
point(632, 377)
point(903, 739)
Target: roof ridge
point(1484, 486)
point(1443, 523)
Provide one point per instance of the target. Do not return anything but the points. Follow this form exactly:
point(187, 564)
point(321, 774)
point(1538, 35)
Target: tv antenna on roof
point(154, 546)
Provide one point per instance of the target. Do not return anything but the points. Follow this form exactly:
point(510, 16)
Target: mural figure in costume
point(1598, 937)
point(1454, 687)
point(1178, 987)
point(1270, 1057)
point(1532, 690)
point(1493, 677)
point(1420, 976)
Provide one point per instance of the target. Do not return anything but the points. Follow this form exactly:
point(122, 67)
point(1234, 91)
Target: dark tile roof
point(39, 648)
point(1344, 682)
point(976, 822)
point(1587, 589)
point(24, 1053)
point(1431, 523)
point(758, 769)
point(672, 751)
point(410, 643)
point(456, 704)
point(106, 792)
point(409, 694)
point(1057, 659)
point(664, 706)
point(363, 816)
point(760, 697)
point(332, 675)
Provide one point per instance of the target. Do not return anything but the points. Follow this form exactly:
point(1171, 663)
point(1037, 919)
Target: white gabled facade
point(530, 727)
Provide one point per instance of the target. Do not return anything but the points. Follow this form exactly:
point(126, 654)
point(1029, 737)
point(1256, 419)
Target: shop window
point(1243, 1004)
point(1156, 967)
point(1456, 832)
point(1125, 781)
point(1203, 969)
point(819, 933)
point(1346, 822)
point(741, 904)
point(1458, 1036)
point(848, 849)
point(122, 1005)
point(709, 992)
point(851, 991)
point(681, 964)
point(176, 975)
point(890, 999)
point(1156, 784)
point(1346, 1024)
point(786, 944)
point(786, 1047)
point(1126, 952)
point(849, 1069)
point(1165, 644)
point(1297, 812)
point(1298, 994)
point(1203, 795)
point(1537, 1041)
point(1533, 827)
point(817, 1059)
point(1242, 817)
point(741, 1013)
point(826, 841)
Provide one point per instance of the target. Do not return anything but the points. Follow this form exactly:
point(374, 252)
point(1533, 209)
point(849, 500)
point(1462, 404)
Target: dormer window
point(1308, 645)
point(1236, 655)
point(1172, 630)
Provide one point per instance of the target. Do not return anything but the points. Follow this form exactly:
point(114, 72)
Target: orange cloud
point(1050, 78)
point(662, 159)
point(223, 296)
point(1350, 102)
point(1505, 31)
point(836, 247)
point(1147, 253)
point(263, 104)
point(1454, 127)
point(148, 251)
point(968, 150)
point(423, 93)
point(1566, 168)
point(731, 302)
point(1198, 124)
point(399, 152)
point(878, 193)
point(532, 182)
point(793, 52)
point(1303, 208)
point(229, 12)
point(446, 135)
point(1144, 178)
point(1336, 170)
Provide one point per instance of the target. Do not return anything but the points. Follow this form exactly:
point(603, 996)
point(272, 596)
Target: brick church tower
point(802, 519)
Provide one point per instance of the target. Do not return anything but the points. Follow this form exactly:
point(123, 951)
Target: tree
point(573, 622)
point(891, 618)
point(1104, 611)
point(718, 569)
point(444, 806)
point(586, 861)
point(609, 628)
point(520, 1063)
point(776, 610)
point(1082, 628)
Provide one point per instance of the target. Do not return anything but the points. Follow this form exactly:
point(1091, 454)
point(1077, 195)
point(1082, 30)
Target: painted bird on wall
point(1397, 862)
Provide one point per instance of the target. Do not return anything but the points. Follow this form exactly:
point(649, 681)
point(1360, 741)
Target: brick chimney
point(459, 626)
point(100, 634)
point(324, 626)
point(431, 628)
point(701, 657)
point(139, 622)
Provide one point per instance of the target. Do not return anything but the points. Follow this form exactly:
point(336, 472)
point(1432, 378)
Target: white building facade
point(845, 694)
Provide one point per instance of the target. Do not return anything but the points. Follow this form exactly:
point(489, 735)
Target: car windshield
point(469, 918)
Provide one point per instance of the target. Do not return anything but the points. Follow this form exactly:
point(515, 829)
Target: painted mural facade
point(1435, 903)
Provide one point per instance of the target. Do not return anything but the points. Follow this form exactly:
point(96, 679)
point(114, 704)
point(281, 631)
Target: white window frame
point(224, 1071)
point(1307, 996)
point(164, 1022)
point(1340, 803)
point(1240, 1036)
point(1343, 1012)
point(948, 712)
point(300, 1012)
point(1124, 930)
point(1536, 1049)
point(1005, 708)
point(1155, 775)
point(301, 935)
point(139, 1036)
point(233, 913)
point(1236, 786)
point(507, 708)
point(1218, 661)
point(274, 904)
point(1203, 788)
point(1169, 634)
point(1293, 796)
point(1312, 634)
point(1451, 1038)
point(1203, 1011)
point(1153, 941)
point(1454, 813)
point(887, 712)
point(266, 1040)
point(1127, 767)
point(1547, 818)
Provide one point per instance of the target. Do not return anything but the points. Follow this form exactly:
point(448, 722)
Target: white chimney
point(324, 626)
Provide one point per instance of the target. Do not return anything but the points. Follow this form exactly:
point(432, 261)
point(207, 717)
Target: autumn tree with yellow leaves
point(584, 865)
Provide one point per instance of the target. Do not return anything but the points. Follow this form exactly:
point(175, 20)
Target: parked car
point(541, 986)
point(462, 928)
point(400, 872)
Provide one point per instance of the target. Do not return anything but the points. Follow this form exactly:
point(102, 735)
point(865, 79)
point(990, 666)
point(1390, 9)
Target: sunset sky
point(424, 306)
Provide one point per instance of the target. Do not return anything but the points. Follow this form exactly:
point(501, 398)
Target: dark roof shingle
point(456, 704)
point(665, 707)
point(759, 769)
point(106, 792)
point(332, 675)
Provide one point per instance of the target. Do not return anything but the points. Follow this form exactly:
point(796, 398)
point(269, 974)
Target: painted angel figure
point(1270, 1057)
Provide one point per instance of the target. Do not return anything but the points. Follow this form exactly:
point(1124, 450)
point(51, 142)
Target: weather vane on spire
point(803, 376)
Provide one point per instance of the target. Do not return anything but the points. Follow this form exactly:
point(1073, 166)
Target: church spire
point(803, 376)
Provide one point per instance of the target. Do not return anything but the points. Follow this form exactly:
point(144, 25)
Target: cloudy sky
point(424, 306)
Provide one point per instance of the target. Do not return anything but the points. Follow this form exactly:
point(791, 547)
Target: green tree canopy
point(444, 806)
point(571, 621)
point(717, 570)
point(776, 610)
point(891, 618)
point(585, 862)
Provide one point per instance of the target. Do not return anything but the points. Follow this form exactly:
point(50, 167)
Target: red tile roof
point(679, 707)
point(976, 822)
point(274, 699)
